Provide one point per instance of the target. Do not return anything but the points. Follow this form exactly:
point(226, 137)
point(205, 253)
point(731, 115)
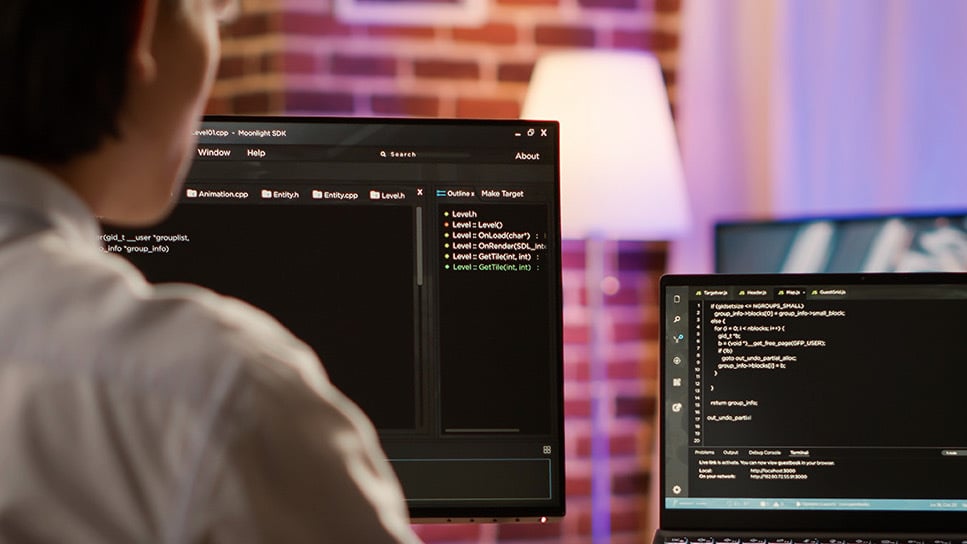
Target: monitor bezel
point(459, 513)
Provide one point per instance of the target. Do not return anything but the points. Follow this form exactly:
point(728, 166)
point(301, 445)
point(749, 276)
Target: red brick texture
point(471, 71)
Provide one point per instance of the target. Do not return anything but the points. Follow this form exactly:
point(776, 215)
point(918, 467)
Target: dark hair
point(64, 69)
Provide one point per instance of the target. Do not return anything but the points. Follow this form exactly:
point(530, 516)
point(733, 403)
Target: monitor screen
point(814, 401)
point(421, 260)
point(884, 243)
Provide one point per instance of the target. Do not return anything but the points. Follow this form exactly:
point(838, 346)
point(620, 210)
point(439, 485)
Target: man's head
point(106, 94)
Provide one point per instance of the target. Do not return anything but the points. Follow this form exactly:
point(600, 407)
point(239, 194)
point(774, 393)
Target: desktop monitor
point(421, 260)
point(935, 242)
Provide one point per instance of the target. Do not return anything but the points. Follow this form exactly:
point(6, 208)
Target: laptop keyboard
point(782, 540)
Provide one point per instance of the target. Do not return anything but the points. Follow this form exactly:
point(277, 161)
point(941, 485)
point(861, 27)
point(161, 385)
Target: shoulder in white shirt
point(135, 413)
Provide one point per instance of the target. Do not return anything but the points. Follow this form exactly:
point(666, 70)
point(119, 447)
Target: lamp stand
point(596, 270)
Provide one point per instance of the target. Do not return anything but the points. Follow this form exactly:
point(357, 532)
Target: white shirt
point(133, 413)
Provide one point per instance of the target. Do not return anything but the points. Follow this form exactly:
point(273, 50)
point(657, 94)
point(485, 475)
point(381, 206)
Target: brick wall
point(295, 56)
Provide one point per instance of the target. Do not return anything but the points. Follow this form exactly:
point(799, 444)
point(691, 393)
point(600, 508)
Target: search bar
point(425, 155)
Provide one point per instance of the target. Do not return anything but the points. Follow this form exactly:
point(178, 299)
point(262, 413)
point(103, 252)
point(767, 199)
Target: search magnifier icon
point(382, 154)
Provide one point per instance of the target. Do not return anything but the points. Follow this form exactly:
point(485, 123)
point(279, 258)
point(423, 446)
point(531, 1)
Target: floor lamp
point(621, 179)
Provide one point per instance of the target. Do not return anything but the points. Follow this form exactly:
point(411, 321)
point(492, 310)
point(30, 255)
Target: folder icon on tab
point(316, 194)
point(266, 193)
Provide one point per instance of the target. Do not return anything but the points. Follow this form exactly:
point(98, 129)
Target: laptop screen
point(814, 401)
point(421, 260)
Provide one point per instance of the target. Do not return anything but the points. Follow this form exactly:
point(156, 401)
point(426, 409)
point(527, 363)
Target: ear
point(142, 57)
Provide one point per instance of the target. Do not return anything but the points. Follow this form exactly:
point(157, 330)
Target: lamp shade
point(621, 172)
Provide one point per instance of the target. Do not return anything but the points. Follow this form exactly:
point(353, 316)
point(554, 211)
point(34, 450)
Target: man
point(130, 413)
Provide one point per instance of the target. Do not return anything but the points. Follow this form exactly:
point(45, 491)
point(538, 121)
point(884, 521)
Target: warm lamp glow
point(621, 179)
point(621, 172)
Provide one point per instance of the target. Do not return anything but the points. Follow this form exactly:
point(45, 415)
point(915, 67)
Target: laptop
point(813, 408)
